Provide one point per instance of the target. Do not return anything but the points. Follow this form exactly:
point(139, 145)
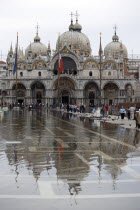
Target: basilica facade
point(110, 77)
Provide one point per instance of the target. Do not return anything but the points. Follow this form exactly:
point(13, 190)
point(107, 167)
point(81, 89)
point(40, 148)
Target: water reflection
point(81, 156)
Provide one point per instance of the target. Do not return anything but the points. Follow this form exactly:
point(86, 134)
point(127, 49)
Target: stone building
point(81, 81)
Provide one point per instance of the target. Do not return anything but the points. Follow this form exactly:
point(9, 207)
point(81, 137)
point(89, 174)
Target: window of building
point(109, 73)
point(39, 74)
point(90, 74)
point(21, 74)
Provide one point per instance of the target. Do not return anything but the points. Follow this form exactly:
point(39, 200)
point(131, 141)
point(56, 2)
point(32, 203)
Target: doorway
point(39, 97)
point(20, 101)
point(110, 102)
point(65, 99)
point(91, 98)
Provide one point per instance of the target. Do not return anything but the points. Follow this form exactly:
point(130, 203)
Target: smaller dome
point(115, 49)
point(71, 27)
point(36, 48)
point(77, 27)
point(115, 38)
point(37, 39)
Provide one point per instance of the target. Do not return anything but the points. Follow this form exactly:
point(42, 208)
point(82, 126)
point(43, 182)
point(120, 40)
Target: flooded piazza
point(55, 160)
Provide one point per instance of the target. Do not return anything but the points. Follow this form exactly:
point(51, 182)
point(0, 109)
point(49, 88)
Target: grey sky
point(53, 17)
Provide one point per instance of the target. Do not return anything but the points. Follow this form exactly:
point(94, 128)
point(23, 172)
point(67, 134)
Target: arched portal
point(69, 66)
point(111, 92)
point(38, 93)
point(19, 91)
point(91, 94)
point(64, 91)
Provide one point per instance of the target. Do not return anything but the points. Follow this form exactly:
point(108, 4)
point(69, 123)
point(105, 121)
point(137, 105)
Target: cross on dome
point(37, 38)
point(37, 27)
point(77, 15)
point(71, 14)
point(115, 28)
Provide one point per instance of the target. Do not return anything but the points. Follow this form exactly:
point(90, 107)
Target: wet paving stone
point(47, 156)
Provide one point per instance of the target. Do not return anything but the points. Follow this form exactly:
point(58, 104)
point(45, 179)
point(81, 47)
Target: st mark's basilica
point(80, 80)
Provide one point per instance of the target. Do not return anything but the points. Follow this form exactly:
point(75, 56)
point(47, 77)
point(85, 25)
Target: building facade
point(111, 73)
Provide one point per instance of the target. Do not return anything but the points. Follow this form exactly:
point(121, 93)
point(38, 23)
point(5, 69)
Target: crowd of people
point(73, 107)
point(22, 105)
point(132, 113)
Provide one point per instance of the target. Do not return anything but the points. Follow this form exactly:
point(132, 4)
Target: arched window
point(21, 74)
point(39, 74)
point(90, 73)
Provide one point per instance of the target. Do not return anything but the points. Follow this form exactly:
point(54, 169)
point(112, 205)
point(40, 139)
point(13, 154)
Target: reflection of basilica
point(39, 155)
point(80, 80)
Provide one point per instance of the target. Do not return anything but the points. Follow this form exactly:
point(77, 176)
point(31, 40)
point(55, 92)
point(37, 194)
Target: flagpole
point(16, 68)
point(60, 66)
point(58, 83)
point(100, 54)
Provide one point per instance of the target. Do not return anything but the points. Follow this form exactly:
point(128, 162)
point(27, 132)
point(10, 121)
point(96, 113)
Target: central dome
point(74, 40)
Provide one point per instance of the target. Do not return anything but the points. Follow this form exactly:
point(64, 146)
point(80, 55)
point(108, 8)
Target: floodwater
point(55, 160)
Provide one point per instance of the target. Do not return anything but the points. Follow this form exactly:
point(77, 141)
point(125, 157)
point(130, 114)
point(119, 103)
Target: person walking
point(122, 112)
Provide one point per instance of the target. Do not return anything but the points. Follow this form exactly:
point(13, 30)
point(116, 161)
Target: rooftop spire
point(30, 48)
point(115, 29)
point(77, 15)
point(115, 38)
point(77, 26)
point(100, 47)
point(37, 27)
point(37, 38)
point(11, 48)
point(49, 47)
point(71, 25)
point(71, 14)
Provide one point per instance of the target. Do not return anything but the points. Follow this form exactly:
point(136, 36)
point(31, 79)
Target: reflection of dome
point(74, 40)
point(36, 48)
point(115, 49)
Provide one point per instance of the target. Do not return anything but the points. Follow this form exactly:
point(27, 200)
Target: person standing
point(132, 109)
point(122, 112)
point(128, 113)
point(102, 111)
point(107, 109)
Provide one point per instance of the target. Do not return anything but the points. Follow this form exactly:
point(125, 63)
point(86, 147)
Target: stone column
point(28, 96)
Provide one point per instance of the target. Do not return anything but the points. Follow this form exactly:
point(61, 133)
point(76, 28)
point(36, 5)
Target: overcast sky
point(53, 16)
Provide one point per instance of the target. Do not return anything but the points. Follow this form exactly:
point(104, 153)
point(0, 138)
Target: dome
point(36, 48)
point(77, 27)
point(37, 38)
point(115, 49)
point(71, 27)
point(75, 41)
